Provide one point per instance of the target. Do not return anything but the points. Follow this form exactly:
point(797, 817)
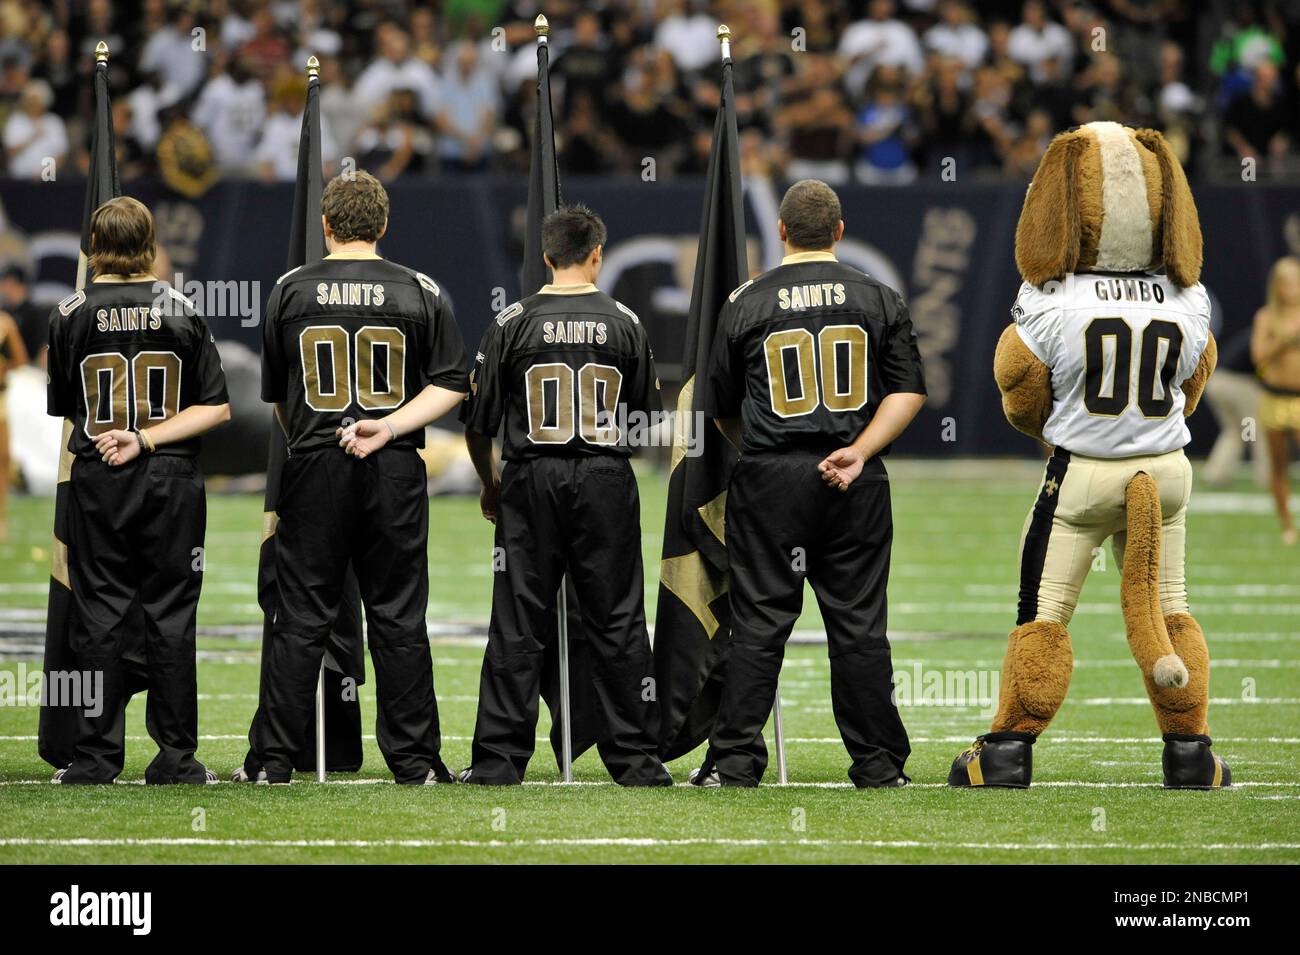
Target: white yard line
point(1050, 784)
point(634, 842)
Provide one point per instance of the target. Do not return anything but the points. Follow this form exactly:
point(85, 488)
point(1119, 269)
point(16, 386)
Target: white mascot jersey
point(1119, 347)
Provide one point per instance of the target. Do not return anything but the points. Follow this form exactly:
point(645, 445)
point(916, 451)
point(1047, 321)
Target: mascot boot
point(1170, 650)
point(1035, 678)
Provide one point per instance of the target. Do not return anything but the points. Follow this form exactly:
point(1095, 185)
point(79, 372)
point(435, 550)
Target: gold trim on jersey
point(581, 288)
point(354, 254)
point(113, 278)
point(794, 258)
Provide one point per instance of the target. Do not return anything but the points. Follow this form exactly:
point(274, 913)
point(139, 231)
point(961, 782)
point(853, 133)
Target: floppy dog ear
point(1181, 245)
point(1048, 234)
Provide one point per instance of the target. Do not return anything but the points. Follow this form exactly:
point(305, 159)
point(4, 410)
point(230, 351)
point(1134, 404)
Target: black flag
point(59, 725)
point(543, 199)
point(692, 626)
point(344, 653)
point(543, 179)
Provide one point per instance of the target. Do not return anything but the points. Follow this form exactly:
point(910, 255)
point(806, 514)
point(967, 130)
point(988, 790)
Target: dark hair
point(121, 238)
point(356, 207)
point(570, 233)
point(811, 213)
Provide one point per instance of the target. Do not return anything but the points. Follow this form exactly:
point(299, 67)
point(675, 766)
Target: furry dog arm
point(1194, 386)
point(1025, 383)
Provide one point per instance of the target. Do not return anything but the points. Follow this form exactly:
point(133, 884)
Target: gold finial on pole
point(724, 37)
point(101, 52)
point(542, 27)
point(313, 67)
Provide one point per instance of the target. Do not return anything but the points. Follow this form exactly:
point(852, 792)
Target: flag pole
point(542, 28)
point(313, 76)
point(778, 724)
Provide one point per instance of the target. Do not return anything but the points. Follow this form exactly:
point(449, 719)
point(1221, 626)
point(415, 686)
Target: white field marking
point(1199, 593)
point(1065, 740)
point(1231, 502)
point(820, 707)
point(904, 662)
point(1246, 636)
point(811, 741)
point(1052, 784)
point(644, 842)
point(1001, 607)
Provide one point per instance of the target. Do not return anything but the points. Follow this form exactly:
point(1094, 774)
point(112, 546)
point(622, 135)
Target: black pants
point(784, 525)
point(579, 515)
point(375, 513)
point(136, 533)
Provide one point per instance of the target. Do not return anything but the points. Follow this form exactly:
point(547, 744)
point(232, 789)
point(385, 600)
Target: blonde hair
point(121, 238)
point(1273, 303)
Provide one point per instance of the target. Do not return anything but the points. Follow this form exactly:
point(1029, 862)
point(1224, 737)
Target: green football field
point(1096, 795)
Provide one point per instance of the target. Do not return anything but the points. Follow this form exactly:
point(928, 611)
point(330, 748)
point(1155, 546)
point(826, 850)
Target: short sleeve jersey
point(567, 371)
point(1119, 348)
point(350, 338)
point(127, 355)
point(805, 353)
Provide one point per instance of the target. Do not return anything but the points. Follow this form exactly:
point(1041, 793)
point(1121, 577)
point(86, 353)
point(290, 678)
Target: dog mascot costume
point(1109, 351)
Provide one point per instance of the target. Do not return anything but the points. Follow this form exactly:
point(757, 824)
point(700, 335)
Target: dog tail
point(1148, 639)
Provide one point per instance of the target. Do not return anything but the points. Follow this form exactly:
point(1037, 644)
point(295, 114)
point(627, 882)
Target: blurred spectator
point(650, 121)
point(276, 156)
point(35, 140)
point(816, 122)
point(171, 53)
point(687, 33)
point(957, 36)
point(230, 110)
point(587, 144)
point(886, 131)
point(585, 68)
point(946, 118)
point(879, 40)
point(1255, 124)
point(395, 68)
point(1104, 94)
point(395, 141)
point(467, 111)
point(132, 158)
point(1027, 148)
point(342, 112)
point(1038, 38)
point(266, 49)
point(637, 79)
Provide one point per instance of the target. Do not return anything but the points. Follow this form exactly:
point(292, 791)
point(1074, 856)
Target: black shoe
point(1003, 760)
point(1189, 764)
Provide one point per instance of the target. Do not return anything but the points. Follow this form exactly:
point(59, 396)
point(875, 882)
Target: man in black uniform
point(567, 370)
point(344, 338)
point(134, 367)
point(820, 364)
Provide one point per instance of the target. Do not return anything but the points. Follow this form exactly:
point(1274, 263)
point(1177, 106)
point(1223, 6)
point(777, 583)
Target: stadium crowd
point(880, 90)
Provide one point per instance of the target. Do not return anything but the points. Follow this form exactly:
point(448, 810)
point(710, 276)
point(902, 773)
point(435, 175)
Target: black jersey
point(569, 370)
point(355, 337)
point(128, 355)
point(805, 353)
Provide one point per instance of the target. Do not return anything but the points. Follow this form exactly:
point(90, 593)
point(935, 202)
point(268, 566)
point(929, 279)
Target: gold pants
point(1080, 505)
point(1279, 412)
